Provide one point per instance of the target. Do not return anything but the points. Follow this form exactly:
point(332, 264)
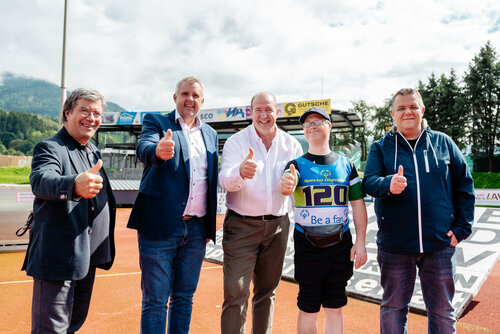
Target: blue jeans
point(170, 269)
point(436, 271)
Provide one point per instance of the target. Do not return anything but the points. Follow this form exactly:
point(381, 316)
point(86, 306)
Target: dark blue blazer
point(164, 188)
point(59, 246)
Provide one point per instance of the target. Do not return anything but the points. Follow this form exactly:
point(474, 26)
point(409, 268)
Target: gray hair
point(263, 93)
point(189, 80)
point(82, 93)
point(408, 91)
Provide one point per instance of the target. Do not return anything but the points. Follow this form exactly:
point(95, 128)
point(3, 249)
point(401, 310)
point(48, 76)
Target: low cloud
point(134, 52)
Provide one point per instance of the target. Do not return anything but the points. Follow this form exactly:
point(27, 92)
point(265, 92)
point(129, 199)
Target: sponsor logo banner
point(144, 113)
point(295, 109)
point(126, 118)
point(224, 114)
point(487, 196)
point(109, 118)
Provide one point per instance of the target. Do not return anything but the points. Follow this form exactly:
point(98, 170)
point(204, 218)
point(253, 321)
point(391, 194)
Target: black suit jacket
point(164, 189)
point(59, 246)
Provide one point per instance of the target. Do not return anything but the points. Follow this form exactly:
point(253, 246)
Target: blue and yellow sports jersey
point(323, 192)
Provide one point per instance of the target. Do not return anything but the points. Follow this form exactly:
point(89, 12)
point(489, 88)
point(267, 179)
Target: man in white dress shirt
point(256, 223)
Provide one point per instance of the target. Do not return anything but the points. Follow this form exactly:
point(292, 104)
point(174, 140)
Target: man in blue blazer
point(74, 218)
point(175, 211)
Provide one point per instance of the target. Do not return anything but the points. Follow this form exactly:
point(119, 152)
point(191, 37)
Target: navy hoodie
point(439, 195)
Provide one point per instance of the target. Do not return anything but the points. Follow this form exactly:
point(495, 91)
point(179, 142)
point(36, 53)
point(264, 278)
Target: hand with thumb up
point(248, 167)
point(398, 182)
point(288, 181)
point(89, 183)
point(166, 147)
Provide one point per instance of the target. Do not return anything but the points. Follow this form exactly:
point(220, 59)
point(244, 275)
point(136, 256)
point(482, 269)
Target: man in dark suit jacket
point(74, 218)
point(175, 211)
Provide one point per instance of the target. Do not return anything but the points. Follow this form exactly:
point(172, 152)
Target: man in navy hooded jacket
point(424, 202)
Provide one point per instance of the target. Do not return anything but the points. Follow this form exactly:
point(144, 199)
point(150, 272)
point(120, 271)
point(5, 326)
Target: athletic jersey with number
point(323, 190)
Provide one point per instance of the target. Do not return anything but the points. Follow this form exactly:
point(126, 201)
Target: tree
point(20, 131)
point(382, 119)
point(444, 106)
point(453, 112)
point(430, 96)
point(362, 134)
point(6, 138)
point(482, 90)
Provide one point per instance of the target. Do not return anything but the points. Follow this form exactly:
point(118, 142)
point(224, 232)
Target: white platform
point(476, 257)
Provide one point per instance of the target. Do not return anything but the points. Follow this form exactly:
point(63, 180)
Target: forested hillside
point(20, 131)
point(35, 96)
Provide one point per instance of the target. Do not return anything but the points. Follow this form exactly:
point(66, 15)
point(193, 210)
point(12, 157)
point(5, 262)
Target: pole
point(63, 67)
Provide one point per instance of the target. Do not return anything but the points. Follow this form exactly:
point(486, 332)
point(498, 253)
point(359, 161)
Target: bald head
point(265, 95)
point(264, 113)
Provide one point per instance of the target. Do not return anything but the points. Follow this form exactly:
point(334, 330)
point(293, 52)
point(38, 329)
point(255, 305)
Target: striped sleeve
point(355, 189)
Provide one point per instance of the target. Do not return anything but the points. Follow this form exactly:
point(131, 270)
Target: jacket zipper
point(419, 205)
point(426, 161)
point(420, 242)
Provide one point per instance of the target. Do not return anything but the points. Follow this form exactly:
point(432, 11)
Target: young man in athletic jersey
point(322, 184)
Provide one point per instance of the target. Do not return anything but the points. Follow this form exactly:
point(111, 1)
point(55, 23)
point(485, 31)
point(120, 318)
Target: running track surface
point(116, 301)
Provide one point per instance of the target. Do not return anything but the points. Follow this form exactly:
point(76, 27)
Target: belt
point(188, 217)
point(264, 217)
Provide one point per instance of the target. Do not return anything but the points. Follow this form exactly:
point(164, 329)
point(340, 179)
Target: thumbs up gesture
point(166, 147)
point(89, 183)
point(398, 182)
point(248, 167)
point(288, 181)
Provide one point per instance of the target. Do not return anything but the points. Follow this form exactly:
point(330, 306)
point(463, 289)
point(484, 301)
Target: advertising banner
point(295, 109)
point(109, 118)
point(126, 118)
point(488, 197)
point(143, 113)
point(224, 114)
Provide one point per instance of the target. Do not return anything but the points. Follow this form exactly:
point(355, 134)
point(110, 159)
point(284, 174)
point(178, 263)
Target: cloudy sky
point(135, 51)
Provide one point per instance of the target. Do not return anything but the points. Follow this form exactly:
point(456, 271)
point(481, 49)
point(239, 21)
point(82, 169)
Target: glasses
point(97, 115)
point(315, 123)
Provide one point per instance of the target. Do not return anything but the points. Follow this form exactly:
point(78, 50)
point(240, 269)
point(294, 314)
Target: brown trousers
point(253, 250)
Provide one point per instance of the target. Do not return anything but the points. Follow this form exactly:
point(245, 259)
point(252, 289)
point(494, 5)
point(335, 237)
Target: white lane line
point(102, 275)
point(14, 282)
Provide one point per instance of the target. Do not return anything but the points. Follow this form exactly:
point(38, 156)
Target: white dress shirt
point(260, 195)
point(198, 169)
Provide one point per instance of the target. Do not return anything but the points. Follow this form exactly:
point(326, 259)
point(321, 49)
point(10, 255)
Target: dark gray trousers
point(60, 306)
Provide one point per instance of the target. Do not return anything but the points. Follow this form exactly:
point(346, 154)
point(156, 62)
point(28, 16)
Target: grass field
point(486, 180)
point(15, 175)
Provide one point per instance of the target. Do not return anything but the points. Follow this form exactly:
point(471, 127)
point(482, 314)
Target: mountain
point(32, 95)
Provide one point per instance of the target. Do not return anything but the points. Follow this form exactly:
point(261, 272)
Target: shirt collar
point(75, 142)
point(255, 137)
point(178, 118)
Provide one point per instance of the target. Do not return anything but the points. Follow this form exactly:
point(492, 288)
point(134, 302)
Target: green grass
point(486, 180)
point(15, 175)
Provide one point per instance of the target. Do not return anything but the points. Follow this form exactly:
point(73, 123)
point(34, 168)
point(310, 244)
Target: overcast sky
point(135, 51)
